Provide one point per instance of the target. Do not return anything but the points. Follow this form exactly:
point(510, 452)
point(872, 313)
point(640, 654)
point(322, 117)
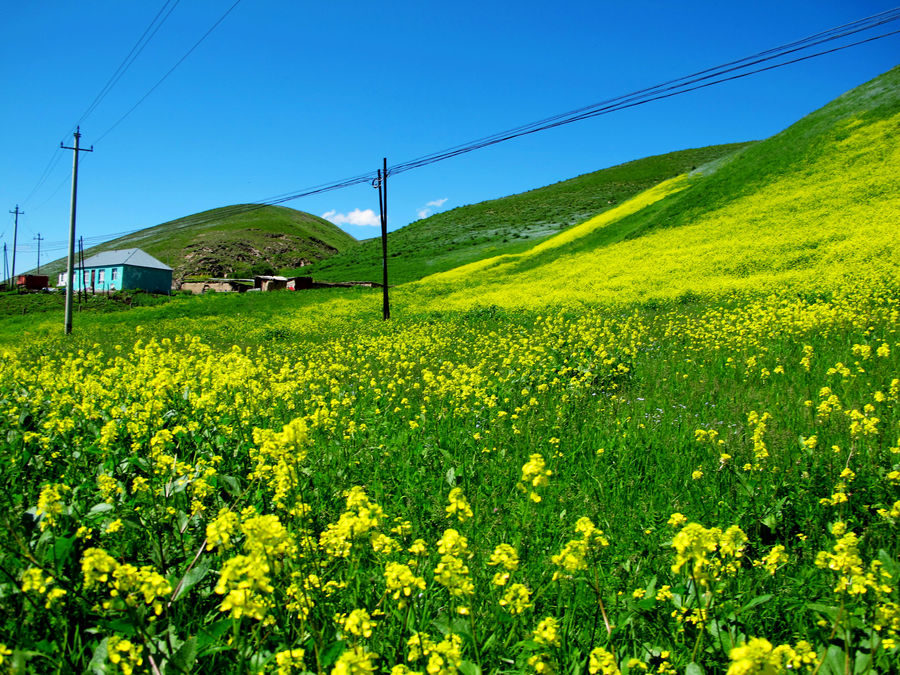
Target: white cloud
point(367, 218)
point(425, 211)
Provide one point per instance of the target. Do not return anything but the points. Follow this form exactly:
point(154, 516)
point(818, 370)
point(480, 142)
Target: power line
point(169, 72)
point(138, 47)
point(136, 50)
point(681, 85)
point(706, 78)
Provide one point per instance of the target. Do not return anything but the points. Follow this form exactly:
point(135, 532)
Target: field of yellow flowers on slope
point(277, 484)
point(803, 209)
point(699, 488)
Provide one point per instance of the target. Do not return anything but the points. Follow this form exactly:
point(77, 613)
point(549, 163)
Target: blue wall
point(122, 277)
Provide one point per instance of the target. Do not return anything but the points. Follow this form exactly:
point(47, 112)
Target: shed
point(270, 283)
point(32, 282)
point(298, 283)
point(124, 269)
point(217, 286)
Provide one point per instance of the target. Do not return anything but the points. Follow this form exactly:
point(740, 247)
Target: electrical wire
point(136, 50)
point(169, 72)
point(702, 79)
point(657, 92)
point(148, 34)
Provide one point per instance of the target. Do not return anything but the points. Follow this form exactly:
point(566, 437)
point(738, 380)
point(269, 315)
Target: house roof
point(126, 256)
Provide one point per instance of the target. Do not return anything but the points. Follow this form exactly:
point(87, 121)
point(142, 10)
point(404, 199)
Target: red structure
point(32, 282)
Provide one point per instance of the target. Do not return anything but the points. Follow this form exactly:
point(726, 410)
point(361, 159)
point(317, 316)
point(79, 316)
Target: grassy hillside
point(539, 465)
point(807, 207)
point(510, 224)
point(228, 241)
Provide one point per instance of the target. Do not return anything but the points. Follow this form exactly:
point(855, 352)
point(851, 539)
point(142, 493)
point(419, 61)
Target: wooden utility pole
point(381, 184)
point(39, 239)
point(82, 291)
point(12, 272)
point(69, 268)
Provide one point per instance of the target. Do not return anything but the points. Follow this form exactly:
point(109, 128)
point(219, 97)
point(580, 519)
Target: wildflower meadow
point(666, 441)
point(685, 488)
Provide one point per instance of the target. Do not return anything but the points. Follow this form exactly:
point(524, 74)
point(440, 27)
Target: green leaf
point(863, 661)
point(758, 600)
point(647, 603)
point(97, 509)
point(828, 610)
point(694, 669)
point(332, 652)
point(834, 661)
point(193, 577)
point(469, 668)
point(121, 626)
point(212, 633)
point(97, 666)
point(62, 549)
point(231, 485)
point(186, 655)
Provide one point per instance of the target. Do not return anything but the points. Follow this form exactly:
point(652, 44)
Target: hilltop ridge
point(235, 240)
point(805, 208)
point(511, 224)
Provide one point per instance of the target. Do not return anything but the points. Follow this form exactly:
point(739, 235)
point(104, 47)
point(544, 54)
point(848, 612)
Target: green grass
point(610, 399)
point(510, 224)
point(739, 451)
point(803, 209)
point(220, 241)
point(746, 172)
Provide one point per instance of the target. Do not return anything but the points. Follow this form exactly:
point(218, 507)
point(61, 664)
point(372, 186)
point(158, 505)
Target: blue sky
point(287, 95)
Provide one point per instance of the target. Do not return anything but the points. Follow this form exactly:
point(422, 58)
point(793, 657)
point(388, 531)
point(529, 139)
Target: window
point(114, 274)
point(100, 276)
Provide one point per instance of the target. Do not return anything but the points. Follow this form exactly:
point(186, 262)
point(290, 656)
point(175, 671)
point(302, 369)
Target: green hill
point(510, 224)
point(233, 240)
point(808, 208)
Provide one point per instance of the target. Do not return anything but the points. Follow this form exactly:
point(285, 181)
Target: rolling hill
point(233, 240)
point(509, 224)
point(809, 208)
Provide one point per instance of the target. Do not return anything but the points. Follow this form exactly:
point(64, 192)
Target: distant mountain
point(235, 240)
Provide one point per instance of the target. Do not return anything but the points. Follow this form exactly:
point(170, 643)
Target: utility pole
point(5, 264)
point(70, 277)
point(381, 184)
point(12, 274)
point(39, 240)
point(82, 291)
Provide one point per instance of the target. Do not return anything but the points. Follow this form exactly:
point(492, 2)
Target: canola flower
point(710, 254)
point(289, 661)
point(124, 654)
point(441, 658)
point(402, 583)
point(758, 655)
point(535, 474)
point(261, 483)
point(708, 554)
point(459, 505)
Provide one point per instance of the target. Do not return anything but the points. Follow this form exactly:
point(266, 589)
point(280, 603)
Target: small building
point(217, 286)
point(299, 283)
point(270, 283)
point(32, 282)
point(124, 269)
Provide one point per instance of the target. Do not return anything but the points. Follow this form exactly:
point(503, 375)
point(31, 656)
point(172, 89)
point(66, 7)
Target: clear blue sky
point(287, 95)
